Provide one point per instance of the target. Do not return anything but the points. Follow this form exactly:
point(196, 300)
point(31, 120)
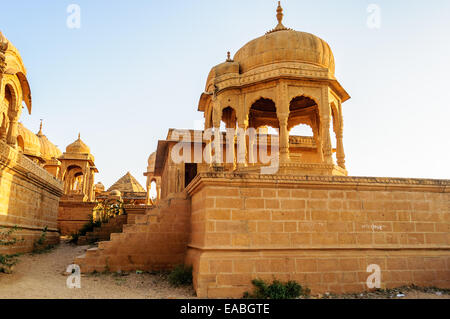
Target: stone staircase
point(103, 232)
point(156, 241)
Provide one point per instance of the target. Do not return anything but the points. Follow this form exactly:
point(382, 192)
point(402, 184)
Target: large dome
point(28, 141)
point(285, 45)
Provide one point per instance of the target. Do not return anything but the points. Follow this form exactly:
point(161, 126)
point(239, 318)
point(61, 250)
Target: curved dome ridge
point(285, 46)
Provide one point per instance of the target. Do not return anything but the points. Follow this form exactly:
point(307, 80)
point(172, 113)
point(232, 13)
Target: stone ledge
point(25, 227)
point(329, 182)
point(317, 248)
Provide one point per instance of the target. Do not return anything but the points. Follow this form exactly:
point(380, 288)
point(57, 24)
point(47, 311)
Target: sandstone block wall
point(73, 215)
point(322, 233)
point(135, 210)
point(29, 198)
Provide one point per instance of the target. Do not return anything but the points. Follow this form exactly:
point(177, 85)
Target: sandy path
point(42, 276)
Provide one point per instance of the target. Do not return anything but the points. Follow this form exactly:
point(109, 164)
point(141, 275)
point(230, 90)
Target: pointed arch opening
point(229, 119)
point(10, 99)
point(263, 112)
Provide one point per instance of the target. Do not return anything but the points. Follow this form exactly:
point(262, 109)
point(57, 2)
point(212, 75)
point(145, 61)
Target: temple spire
point(79, 136)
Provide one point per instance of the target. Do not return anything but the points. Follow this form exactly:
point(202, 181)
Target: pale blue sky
point(137, 68)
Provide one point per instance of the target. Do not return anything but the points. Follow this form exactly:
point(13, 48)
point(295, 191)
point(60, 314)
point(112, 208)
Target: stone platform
point(322, 231)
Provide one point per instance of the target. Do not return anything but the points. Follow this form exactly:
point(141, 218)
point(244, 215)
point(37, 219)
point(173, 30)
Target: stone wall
point(320, 231)
point(133, 211)
point(72, 215)
point(29, 198)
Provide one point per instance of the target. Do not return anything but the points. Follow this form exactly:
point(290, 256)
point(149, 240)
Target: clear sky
point(136, 68)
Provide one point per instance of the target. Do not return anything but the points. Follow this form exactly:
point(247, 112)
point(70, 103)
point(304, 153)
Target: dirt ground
point(44, 276)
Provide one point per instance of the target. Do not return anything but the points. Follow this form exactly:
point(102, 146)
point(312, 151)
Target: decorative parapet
point(302, 141)
point(19, 163)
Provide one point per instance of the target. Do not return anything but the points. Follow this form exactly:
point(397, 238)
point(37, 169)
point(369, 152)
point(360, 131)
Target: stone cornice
point(275, 71)
point(276, 250)
point(25, 227)
point(272, 71)
point(329, 182)
point(32, 172)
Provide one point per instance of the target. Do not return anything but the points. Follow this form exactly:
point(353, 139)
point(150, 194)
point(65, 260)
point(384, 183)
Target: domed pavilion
point(77, 171)
point(222, 212)
point(282, 79)
point(253, 104)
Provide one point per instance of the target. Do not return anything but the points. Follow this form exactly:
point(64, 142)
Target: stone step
point(91, 252)
point(104, 244)
point(152, 221)
point(81, 256)
point(115, 236)
point(103, 232)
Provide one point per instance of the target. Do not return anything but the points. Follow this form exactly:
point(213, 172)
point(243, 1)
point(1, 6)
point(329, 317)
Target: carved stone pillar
point(91, 186)
point(147, 196)
point(325, 117)
point(86, 177)
point(242, 145)
point(284, 137)
point(340, 155)
point(11, 138)
point(230, 138)
point(282, 105)
point(3, 133)
point(252, 155)
point(217, 144)
point(208, 147)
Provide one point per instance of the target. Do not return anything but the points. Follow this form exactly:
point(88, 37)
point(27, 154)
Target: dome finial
point(40, 129)
point(229, 57)
point(79, 136)
point(280, 15)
